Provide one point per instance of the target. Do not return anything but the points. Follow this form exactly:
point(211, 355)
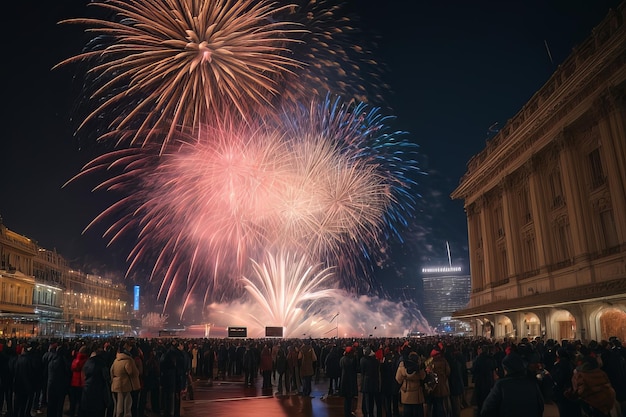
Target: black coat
point(514, 396)
point(96, 395)
point(348, 385)
point(331, 365)
point(370, 374)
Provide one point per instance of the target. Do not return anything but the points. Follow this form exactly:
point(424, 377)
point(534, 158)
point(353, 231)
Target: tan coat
point(124, 374)
point(411, 391)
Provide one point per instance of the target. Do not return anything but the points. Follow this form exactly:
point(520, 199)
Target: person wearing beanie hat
point(516, 394)
point(439, 396)
point(348, 388)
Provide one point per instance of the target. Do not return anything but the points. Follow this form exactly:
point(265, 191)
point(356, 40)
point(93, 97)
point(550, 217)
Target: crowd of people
point(409, 377)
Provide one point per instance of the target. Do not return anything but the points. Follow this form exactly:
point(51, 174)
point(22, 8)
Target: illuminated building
point(17, 313)
point(446, 289)
point(546, 204)
point(41, 296)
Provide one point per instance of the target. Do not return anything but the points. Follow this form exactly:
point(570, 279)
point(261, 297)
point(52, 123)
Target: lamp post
point(331, 320)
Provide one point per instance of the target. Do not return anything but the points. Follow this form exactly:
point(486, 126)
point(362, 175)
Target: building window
point(608, 230)
point(562, 239)
point(530, 253)
point(556, 189)
point(596, 170)
point(524, 205)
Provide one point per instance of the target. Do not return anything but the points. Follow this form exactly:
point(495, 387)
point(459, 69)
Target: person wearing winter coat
point(307, 358)
point(348, 387)
point(440, 395)
point(96, 397)
point(124, 380)
point(410, 375)
point(78, 380)
point(562, 372)
point(172, 379)
point(515, 395)
point(59, 377)
point(25, 379)
point(370, 383)
point(333, 370)
point(281, 370)
point(592, 387)
point(265, 366)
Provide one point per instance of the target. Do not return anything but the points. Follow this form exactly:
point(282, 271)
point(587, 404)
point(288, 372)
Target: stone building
point(546, 204)
point(42, 296)
point(17, 312)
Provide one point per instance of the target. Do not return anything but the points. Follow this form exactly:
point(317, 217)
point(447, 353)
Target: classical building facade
point(17, 312)
point(41, 296)
point(546, 204)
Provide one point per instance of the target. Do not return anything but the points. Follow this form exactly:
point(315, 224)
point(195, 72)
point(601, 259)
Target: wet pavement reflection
point(231, 398)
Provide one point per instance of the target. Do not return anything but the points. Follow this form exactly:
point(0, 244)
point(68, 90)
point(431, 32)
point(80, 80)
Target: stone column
point(577, 209)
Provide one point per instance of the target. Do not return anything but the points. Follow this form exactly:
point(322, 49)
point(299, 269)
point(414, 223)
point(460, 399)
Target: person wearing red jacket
point(78, 380)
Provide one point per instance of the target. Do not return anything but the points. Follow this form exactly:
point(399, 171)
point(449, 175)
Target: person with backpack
point(410, 375)
point(440, 395)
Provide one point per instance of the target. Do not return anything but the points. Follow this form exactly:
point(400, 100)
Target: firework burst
point(288, 289)
point(162, 67)
point(202, 209)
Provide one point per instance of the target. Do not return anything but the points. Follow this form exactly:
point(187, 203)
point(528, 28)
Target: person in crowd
point(78, 380)
point(333, 370)
point(410, 375)
point(591, 386)
point(389, 387)
point(222, 361)
point(613, 358)
point(172, 379)
point(514, 395)
point(250, 365)
point(59, 377)
point(152, 379)
point(293, 369)
point(484, 371)
point(25, 380)
point(8, 356)
point(439, 397)
point(307, 358)
point(455, 381)
point(562, 371)
point(124, 380)
point(281, 370)
point(96, 396)
point(348, 387)
point(266, 366)
point(45, 360)
point(370, 383)
point(138, 395)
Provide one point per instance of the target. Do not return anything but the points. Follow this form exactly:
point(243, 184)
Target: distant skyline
point(457, 72)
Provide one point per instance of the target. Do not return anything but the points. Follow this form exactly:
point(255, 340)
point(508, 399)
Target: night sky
point(455, 69)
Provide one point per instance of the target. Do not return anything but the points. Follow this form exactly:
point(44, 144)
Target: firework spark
point(162, 67)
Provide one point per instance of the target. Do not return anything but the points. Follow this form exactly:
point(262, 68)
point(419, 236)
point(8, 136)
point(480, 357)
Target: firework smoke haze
point(162, 67)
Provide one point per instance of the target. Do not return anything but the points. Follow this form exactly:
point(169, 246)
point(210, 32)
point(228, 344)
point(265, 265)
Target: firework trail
point(207, 207)
point(162, 67)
